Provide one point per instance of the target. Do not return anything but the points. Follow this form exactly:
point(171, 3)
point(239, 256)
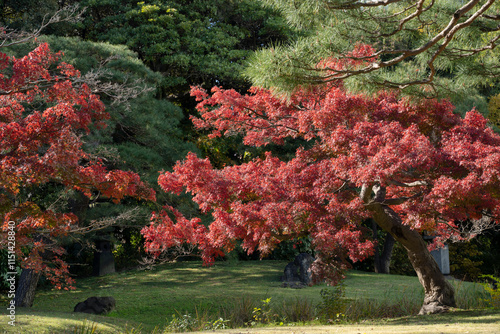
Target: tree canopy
point(143, 131)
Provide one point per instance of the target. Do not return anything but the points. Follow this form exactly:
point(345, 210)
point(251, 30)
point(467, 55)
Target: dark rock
point(96, 305)
point(297, 274)
point(291, 273)
point(303, 261)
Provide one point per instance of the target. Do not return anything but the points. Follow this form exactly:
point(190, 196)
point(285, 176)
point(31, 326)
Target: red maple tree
point(44, 112)
point(413, 167)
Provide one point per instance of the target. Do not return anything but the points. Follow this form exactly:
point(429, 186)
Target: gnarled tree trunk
point(439, 294)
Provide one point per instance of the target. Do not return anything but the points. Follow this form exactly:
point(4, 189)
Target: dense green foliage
point(143, 131)
point(25, 14)
point(176, 44)
point(190, 42)
point(143, 134)
point(420, 47)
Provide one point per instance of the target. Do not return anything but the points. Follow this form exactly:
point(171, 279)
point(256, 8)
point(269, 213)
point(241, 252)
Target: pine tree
point(437, 48)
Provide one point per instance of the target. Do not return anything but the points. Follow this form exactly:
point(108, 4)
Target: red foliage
point(42, 118)
point(436, 167)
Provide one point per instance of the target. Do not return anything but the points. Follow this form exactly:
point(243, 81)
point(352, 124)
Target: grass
point(148, 299)
point(29, 321)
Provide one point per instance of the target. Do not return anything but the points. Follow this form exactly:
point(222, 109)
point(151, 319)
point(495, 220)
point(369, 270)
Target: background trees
point(207, 42)
point(46, 110)
point(143, 134)
point(189, 42)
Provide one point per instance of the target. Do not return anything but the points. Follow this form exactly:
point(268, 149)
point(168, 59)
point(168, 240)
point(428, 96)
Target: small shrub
point(182, 323)
point(465, 260)
point(492, 286)
point(264, 314)
point(218, 324)
point(197, 322)
point(333, 303)
point(298, 310)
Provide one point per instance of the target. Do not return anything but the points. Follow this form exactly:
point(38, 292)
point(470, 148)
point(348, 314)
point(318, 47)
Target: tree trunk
point(25, 291)
point(439, 294)
point(383, 259)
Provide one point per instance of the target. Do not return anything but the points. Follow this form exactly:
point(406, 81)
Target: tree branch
point(356, 4)
point(409, 185)
point(70, 13)
point(444, 36)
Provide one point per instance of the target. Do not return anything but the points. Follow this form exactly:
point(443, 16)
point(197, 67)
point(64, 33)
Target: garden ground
point(167, 295)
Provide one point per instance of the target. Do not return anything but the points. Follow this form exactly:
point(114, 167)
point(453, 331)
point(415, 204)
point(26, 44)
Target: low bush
point(296, 310)
point(492, 287)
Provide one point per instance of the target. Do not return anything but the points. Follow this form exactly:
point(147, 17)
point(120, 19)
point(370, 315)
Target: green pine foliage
point(330, 29)
point(190, 42)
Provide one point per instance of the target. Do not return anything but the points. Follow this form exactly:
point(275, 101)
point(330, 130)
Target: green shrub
point(465, 260)
point(264, 314)
point(201, 320)
point(240, 311)
point(297, 310)
point(333, 304)
point(492, 286)
point(182, 323)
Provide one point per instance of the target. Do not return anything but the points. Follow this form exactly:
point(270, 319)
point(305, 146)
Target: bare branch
point(120, 93)
point(409, 185)
point(172, 254)
point(402, 22)
point(474, 227)
point(97, 81)
point(70, 13)
point(104, 223)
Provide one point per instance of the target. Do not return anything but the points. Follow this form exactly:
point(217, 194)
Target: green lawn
point(149, 298)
